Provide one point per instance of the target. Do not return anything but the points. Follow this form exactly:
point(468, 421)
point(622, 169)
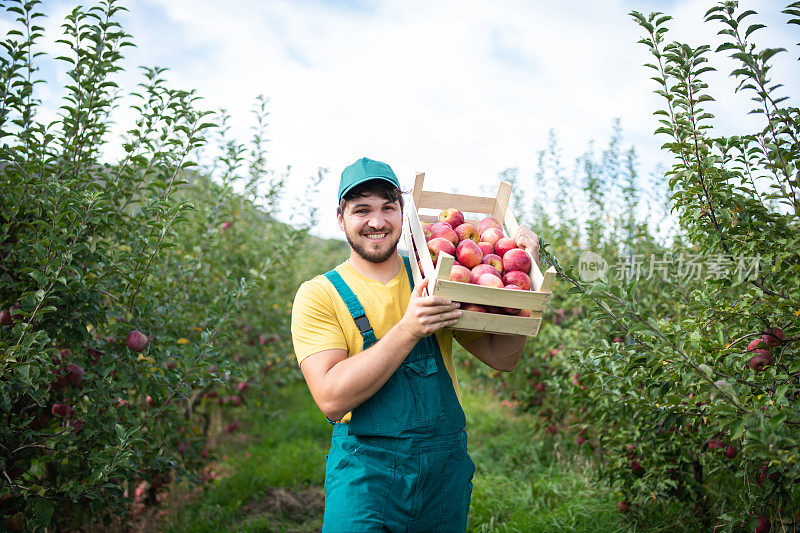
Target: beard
point(378, 256)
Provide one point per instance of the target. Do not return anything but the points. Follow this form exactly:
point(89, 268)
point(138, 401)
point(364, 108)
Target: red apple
point(623, 507)
point(445, 232)
point(137, 341)
point(503, 245)
point(468, 253)
point(492, 235)
point(474, 307)
point(517, 259)
point(760, 361)
point(95, 355)
point(225, 225)
point(774, 337)
point(426, 229)
point(62, 409)
point(520, 279)
point(495, 261)
point(5, 318)
point(762, 525)
point(232, 427)
point(75, 426)
point(149, 401)
point(757, 344)
point(461, 274)
point(242, 386)
point(440, 244)
point(16, 522)
point(74, 374)
point(713, 444)
point(488, 222)
point(467, 230)
point(61, 381)
point(489, 280)
point(452, 216)
point(486, 247)
point(636, 466)
point(731, 451)
point(483, 268)
point(439, 225)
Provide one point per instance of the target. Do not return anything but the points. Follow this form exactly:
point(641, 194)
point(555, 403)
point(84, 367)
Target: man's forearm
point(354, 380)
point(501, 352)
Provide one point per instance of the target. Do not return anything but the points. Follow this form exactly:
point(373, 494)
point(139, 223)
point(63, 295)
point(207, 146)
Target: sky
point(460, 90)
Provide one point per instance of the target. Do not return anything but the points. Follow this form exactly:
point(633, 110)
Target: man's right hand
point(428, 314)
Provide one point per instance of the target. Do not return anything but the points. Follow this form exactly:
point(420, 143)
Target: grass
point(271, 474)
point(526, 482)
point(270, 477)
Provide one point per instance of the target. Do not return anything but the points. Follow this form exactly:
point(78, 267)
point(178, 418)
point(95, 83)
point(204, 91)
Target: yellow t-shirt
point(321, 321)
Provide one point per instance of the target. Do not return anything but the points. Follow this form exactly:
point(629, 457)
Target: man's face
point(372, 226)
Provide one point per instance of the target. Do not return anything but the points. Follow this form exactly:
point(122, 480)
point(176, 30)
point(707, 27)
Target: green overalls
point(401, 464)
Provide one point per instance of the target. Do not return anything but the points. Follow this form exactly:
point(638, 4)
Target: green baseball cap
point(365, 169)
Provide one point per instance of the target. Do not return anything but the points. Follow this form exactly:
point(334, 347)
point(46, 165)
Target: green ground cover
point(269, 476)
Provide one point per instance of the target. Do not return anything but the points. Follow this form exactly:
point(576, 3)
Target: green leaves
point(159, 242)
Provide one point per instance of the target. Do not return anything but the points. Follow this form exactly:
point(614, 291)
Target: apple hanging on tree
point(137, 341)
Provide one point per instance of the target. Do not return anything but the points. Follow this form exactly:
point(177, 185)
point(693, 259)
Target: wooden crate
point(536, 300)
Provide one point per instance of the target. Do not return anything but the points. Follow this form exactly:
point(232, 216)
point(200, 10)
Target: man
point(376, 355)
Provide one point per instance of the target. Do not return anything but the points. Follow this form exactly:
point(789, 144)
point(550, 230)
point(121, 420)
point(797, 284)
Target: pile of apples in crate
point(483, 256)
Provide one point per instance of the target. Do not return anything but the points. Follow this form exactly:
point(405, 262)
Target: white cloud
point(460, 90)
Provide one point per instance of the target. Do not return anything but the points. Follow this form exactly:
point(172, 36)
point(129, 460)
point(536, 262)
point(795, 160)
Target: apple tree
point(143, 296)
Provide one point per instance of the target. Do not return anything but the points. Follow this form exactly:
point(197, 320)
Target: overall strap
point(354, 306)
point(408, 271)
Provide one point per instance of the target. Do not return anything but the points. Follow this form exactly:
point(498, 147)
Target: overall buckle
point(363, 325)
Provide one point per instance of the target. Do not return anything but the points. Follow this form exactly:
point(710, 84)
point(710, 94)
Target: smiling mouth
point(376, 236)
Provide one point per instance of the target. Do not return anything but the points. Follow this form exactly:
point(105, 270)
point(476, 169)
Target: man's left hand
point(528, 240)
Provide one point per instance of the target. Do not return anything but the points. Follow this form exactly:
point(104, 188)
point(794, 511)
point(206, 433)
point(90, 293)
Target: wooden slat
point(505, 325)
point(444, 264)
point(501, 202)
point(418, 238)
point(462, 202)
point(511, 222)
point(411, 258)
point(549, 279)
point(537, 278)
point(416, 193)
point(478, 294)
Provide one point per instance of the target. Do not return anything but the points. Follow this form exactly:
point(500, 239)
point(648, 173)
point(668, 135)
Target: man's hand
point(428, 314)
point(528, 240)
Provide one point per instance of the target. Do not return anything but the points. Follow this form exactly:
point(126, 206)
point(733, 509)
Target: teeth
point(376, 236)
